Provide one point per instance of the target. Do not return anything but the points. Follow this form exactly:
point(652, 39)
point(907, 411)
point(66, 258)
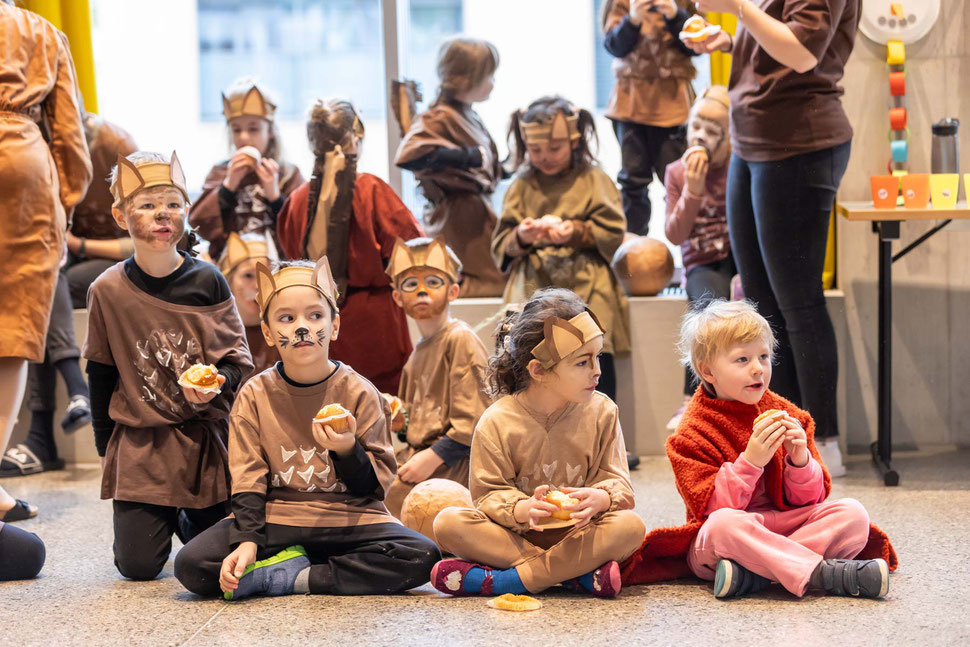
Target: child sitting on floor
point(150, 318)
point(307, 485)
point(551, 431)
point(442, 385)
point(746, 465)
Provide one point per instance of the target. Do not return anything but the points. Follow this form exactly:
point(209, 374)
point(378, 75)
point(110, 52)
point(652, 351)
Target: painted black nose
point(302, 332)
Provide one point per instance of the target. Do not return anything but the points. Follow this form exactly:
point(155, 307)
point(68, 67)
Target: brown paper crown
point(253, 103)
point(561, 126)
point(317, 277)
point(133, 177)
point(239, 250)
point(561, 337)
point(434, 254)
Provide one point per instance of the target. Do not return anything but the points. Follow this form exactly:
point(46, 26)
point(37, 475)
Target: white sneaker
point(831, 455)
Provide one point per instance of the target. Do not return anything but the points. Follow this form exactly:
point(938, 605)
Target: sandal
point(19, 512)
point(78, 414)
point(22, 461)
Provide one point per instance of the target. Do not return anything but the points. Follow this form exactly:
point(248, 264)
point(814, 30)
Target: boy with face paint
point(307, 497)
point(238, 265)
point(150, 318)
point(696, 209)
point(442, 383)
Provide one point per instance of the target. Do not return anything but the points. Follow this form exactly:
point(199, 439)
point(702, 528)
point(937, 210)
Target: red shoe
point(606, 582)
point(448, 576)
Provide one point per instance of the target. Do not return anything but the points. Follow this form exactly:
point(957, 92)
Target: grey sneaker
point(862, 578)
point(731, 580)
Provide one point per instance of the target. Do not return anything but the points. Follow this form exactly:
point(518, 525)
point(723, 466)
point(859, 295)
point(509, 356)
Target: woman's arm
point(113, 249)
point(776, 37)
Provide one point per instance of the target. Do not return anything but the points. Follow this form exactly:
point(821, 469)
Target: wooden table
point(885, 223)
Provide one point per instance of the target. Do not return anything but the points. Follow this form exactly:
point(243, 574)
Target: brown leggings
point(545, 558)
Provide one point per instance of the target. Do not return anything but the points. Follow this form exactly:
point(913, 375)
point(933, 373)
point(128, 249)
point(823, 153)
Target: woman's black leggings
point(778, 218)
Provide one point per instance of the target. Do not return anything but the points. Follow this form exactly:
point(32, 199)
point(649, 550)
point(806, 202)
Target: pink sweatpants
point(783, 546)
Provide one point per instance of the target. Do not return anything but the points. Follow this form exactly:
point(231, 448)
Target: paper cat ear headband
point(559, 127)
point(133, 177)
point(428, 252)
point(317, 277)
point(239, 250)
point(252, 103)
point(565, 337)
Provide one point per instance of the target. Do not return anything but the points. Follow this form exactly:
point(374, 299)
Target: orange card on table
point(943, 190)
point(916, 190)
point(885, 190)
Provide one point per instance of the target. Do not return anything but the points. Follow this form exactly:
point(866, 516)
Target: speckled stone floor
point(80, 599)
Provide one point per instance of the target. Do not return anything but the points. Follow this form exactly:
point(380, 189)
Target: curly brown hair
point(463, 63)
point(543, 110)
point(520, 332)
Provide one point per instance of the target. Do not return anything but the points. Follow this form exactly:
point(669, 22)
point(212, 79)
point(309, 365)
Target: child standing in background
point(652, 95)
point(562, 221)
point(245, 193)
point(456, 162)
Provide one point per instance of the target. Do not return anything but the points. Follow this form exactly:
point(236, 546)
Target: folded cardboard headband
point(239, 250)
point(434, 254)
point(132, 177)
point(252, 103)
point(561, 337)
point(717, 93)
point(561, 126)
point(317, 277)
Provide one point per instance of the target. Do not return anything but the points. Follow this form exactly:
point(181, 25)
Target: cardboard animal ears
point(562, 337)
point(239, 250)
point(252, 103)
point(132, 177)
point(423, 252)
point(318, 277)
point(561, 126)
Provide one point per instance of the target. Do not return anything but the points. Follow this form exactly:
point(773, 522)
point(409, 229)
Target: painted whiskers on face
point(283, 339)
point(322, 337)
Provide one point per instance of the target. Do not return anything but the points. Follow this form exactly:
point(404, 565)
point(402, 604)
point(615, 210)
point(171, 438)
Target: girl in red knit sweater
point(745, 462)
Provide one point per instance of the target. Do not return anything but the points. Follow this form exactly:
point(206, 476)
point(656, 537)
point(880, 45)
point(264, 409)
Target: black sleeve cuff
point(232, 374)
point(621, 40)
point(102, 379)
point(450, 451)
point(227, 202)
point(676, 25)
point(249, 510)
point(276, 205)
point(461, 158)
point(356, 471)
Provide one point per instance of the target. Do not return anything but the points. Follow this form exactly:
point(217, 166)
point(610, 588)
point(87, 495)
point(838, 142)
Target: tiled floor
point(80, 599)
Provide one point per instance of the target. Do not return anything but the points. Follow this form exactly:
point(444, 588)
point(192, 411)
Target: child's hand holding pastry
point(534, 509)
point(234, 565)
point(241, 164)
point(335, 431)
point(766, 437)
point(529, 231)
point(268, 172)
point(592, 501)
point(561, 233)
point(420, 467)
point(199, 397)
point(796, 441)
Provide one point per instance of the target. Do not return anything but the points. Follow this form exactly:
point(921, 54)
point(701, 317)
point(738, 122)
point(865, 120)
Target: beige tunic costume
point(441, 388)
point(459, 200)
point(272, 450)
point(164, 449)
point(513, 452)
point(40, 181)
point(591, 200)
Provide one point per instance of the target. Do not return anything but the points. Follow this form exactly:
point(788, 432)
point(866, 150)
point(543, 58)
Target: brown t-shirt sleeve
point(813, 22)
point(612, 473)
point(96, 347)
point(247, 464)
point(491, 478)
point(468, 402)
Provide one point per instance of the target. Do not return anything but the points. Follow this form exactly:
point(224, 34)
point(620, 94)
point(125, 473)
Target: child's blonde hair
point(715, 327)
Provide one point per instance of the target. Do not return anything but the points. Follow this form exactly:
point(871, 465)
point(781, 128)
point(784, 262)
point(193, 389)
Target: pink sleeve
point(804, 485)
point(682, 207)
point(734, 484)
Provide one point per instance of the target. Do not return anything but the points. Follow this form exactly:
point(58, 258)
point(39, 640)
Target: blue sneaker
point(271, 576)
point(731, 580)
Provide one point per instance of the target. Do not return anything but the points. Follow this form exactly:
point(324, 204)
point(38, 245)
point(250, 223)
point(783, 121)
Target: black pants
point(644, 151)
point(81, 274)
point(22, 553)
point(778, 218)
point(704, 283)
point(143, 534)
point(61, 344)
point(372, 559)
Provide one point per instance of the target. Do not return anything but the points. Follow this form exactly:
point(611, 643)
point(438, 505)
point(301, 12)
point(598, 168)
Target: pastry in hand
point(697, 29)
point(397, 411)
point(774, 414)
point(512, 602)
point(560, 499)
point(335, 417)
point(252, 151)
point(203, 377)
point(695, 150)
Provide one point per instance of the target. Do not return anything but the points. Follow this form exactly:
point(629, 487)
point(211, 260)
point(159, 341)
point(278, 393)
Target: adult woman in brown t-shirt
point(791, 140)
